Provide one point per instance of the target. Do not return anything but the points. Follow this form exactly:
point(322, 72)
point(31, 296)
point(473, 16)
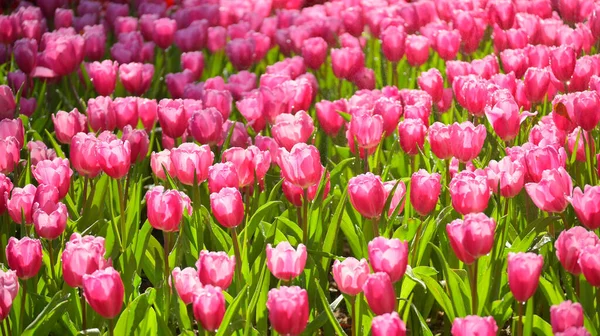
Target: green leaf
point(258, 216)
point(328, 311)
point(454, 282)
point(231, 312)
point(425, 331)
point(55, 144)
point(321, 319)
point(440, 297)
point(135, 313)
point(42, 325)
point(330, 240)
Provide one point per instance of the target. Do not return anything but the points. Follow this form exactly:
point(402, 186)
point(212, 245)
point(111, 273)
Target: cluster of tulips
point(275, 167)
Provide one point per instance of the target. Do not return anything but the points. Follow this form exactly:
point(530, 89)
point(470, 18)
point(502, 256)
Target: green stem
point(122, 197)
point(167, 236)
point(8, 328)
point(563, 216)
point(520, 313)
point(111, 327)
point(375, 226)
point(4, 329)
point(83, 312)
point(366, 161)
point(305, 216)
point(23, 304)
point(474, 299)
point(598, 304)
point(416, 243)
point(238, 257)
point(84, 200)
point(51, 256)
point(354, 326)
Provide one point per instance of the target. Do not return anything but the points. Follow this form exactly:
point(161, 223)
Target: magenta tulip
point(285, 262)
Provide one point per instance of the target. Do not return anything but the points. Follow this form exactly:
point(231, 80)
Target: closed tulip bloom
point(511, 176)
point(164, 32)
point(139, 141)
point(574, 331)
point(524, 271)
point(63, 18)
point(425, 191)
point(393, 40)
point(389, 256)
point(589, 262)
point(240, 52)
point(289, 129)
point(136, 77)
point(379, 293)
point(586, 110)
point(350, 275)
point(24, 256)
point(364, 79)
point(566, 315)
point(562, 62)
point(285, 262)
point(346, 61)
point(474, 325)
point(470, 192)
point(166, 208)
point(50, 224)
point(314, 52)
point(366, 130)
point(432, 82)
point(101, 114)
point(215, 269)
point(329, 118)
point(505, 118)
point(541, 158)
point(62, 54)
point(209, 307)
point(25, 54)
point(192, 38)
point(439, 140)
point(9, 150)
point(46, 198)
point(301, 166)
point(466, 140)
point(161, 161)
point(177, 81)
point(218, 99)
point(388, 325)
point(67, 124)
point(125, 24)
point(447, 43)
point(367, 195)
point(536, 82)
point(206, 126)
point(587, 206)
point(399, 195)
point(288, 310)
point(228, 207)
point(20, 204)
point(239, 134)
point(6, 187)
point(114, 157)
point(412, 134)
point(54, 172)
point(9, 284)
point(472, 237)
point(82, 255)
point(104, 292)
point(417, 50)
point(172, 118)
point(217, 38)
point(187, 283)
point(13, 128)
point(94, 40)
point(569, 245)
point(103, 76)
point(553, 191)
point(84, 157)
point(222, 175)
point(27, 106)
point(191, 162)
point(147, 111)
point(193, 61)
point(125, 112)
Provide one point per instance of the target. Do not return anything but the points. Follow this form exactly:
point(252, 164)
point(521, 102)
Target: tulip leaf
point(232, 311)
point(321, 319)
point(425, 331)
point(434, 287)
point(454, 283)
point(134, 314)
point(47, 318)
point(328, 311)
point(329, 243)
point(257, 217)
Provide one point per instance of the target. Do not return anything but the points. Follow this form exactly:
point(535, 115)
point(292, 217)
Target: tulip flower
point(104, 292)
point(367, 195)
point(541, 158)
point(103, 76)
point(379, 293)
point(389, 256)
point(505, 118)
point(393, 40)
point(139, 141)
point(25, 54)
point(589, 262)
point(191, 162)
point(50, 224)
point(187, 283)
point(431, 81)
point(82, 255)
point(524, 270)
point(24, 256)
point(9, 287)
point(346, 61)
point(511, 176)
point(388, 325)
point(569, 245)
point(285, 262)
point(484, 326)
point(172, 118)
point(228, 207)
point(6, 187)
point(136, 77)
point(301, 166)
point(209, 307)
point(314, 52)
point(551, 194)
point(166, 208)
point(240, 52)
point(84, 157)
point(585, 108)
point(439, 140)
point(425, 191)
point(466, 140)
point(249, 162)
point(350, 275)
point(54, 172)
point(126, 113)
point(574, 331)
point(447, 43)
point(562, 62)
point(566, 315)
point(470, 192)
point(20, 204)
point(587, 206)
point(46, 198)
point(164, 32)
point(417, 50)
point(67, 124)
point(215, 269)
point(217, 38)
point(101, 114)
point(289, 130)
point(412, 134)
point(222, 175)
point(472, 237)
point(288, 309)
point(114, 157)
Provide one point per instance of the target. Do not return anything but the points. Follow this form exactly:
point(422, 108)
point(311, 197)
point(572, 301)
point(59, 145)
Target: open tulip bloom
point(300, 167)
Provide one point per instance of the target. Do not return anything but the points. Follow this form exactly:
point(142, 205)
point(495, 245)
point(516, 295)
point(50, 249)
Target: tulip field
point(300, 167)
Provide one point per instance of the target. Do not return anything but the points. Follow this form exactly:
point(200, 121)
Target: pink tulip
point(177, 81)
point(13, 128)
point(54, 172)
point(574, 331)
point(439, 140)
point(136, 77)
point(222, 175)
point(390, 109)
point(417, 49)
point(366, 130)
point(20, 204)
point(432, 82)
point(399, 195)
point(192, 38)
point(63, 18)
point(285, 262)
point(346, 61)
point(470, 192)
point(82, 255)
point(50, 224)
point(248, 163)
point(215, 269)
point(314, 52)
point(9, 287)
point(9, 148)
point(364, 79)
point(388, 325)
point(350, 275)
point(329, 118)
point(84, 157)
point(585, 107)
point(552, 192)
point(389, 256)
point(541, 158)
point(524, 271)
point(289, 130)
point(562, 62)
point(187, 283)
point(194, 62)
point(219, 99)
point(505, 118)
point(164, 32)
point(241, 52)
point(100, 113)
point(6, 187)
point(166, 208)
point(94, 39)
point(483, 326)
point(295, 195)
point(569, 245)
point(536, 82)
point(472, 237)
point(103, 76)
point(301, 166)
point(217, 38)
point(25, 54)
point(172, 118)
point(511, 176)
point(61, 53)
point(502, 13)
point(209, 307)
point(104, 292)
point(587, 206)
point(379, 293)
point(161, 161)
point(393, 40)
point(589, 262)
point(24, 256)
point(191, 162)
point(566, 315)
point(147, 111)
point(425, 191)
point(27, 106)
point(67, 124)
point(412, 135)
point(228, 207)
point(126, 113)
point(288, 309)
point(139, 141)
point(466, 140)
point(447, 43)
point(114, 157)
point(367, 195)
point(239, 134)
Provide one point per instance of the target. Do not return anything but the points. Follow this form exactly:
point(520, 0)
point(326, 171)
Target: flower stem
point(167, 236)
point(474, 299)
point(122, 215)
point(305, 216)
point(375, 226)
point(416, 243)
point(238, 257)
point(23, 303)
point(520, 313)
point(51, 256)
point(354, 326)
point(366, 161)
point(83, 312)
point(111, 327)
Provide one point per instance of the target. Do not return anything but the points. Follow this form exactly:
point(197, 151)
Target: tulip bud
point(24, 256)
point(191, 162)
point(417, 50)
point(589, 263)
point(346, 61)
point(20, 204)
point(350, 275)
point(470, 192)
point(552, 192)
point(524, 271)
point(56, 173)
point(209, 307)
point(240, 52)
point(569, 245)
point(84, 157)
point(432, 82)
point(63, 18)
point(103, 76)
point(67, 124)
point(389, 256)
point(166, 208)
point(562, 62)
point(289, 130)
point(25, 54)
point(447, 43)
point(285, 262)
point(484, 326)
point(101, 114)
point(50, 225)
point(136, 77)
point(187, 283)
point(301, 166)
point(566, 315)
point(393, 40)
point(215, 269)
point(412, 135)
point(164, 32)
point(82, 255)
point(228, 207)
point(367, 195)
point(288, 309)
point(388, 325)
point(379, 293)
point(314, 52)
point(466, 140)
point(104, 292)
